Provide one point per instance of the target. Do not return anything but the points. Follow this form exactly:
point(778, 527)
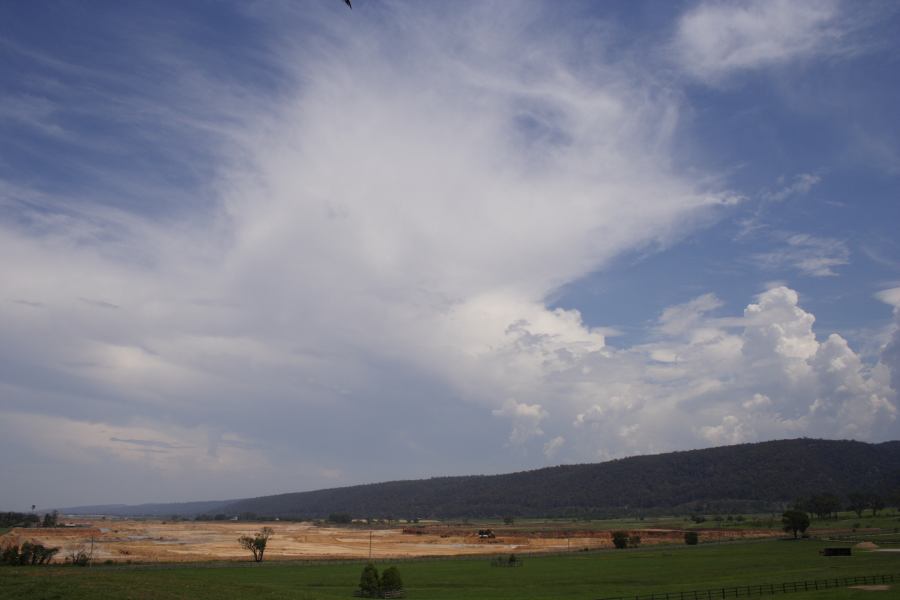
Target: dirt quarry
point(143, 541)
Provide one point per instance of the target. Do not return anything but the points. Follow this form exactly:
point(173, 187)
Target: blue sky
point(273, 246)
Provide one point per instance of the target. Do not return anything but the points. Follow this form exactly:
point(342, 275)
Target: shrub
point(342, 518)
point(691, 538)
point(620, 539)
point(391, 580)
point(28, 554)
point(369, 582)
point(79, 558)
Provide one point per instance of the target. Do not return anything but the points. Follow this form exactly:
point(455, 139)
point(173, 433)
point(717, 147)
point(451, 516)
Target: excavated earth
point(143, 541)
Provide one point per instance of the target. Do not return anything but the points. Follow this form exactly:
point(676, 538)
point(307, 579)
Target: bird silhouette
point(347, 2)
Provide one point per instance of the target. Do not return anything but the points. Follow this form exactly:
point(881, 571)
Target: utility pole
point(370, 545)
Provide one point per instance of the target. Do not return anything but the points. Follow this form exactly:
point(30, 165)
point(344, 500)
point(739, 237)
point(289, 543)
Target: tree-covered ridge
point(743, 477)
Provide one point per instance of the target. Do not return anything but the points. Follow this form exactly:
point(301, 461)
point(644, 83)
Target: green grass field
point(579, 576)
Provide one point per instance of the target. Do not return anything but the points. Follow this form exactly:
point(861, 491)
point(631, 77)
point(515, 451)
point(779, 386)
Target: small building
point(847, 551)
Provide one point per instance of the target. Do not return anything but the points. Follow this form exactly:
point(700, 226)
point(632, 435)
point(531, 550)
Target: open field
point(576, 576)
point(145, 541)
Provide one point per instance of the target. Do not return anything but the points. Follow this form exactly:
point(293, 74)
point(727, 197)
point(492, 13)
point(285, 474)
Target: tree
point(391, 580)
point(620, 539)
point(823, 505)
point(257, 543)
point(691, 538)
point(509, 520)
point(857, 502)
point(50, 519)
point(795, 521)
point(876, 503)
point(340, 518)
point(369, 582)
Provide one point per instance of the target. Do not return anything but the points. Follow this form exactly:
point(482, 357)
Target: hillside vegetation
point(744, 477)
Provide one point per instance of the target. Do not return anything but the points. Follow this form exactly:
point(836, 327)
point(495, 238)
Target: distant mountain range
point(745, 477)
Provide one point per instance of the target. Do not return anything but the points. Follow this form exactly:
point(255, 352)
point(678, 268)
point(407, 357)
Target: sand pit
point(866, 546)
point(144, 541)
point(871, 588)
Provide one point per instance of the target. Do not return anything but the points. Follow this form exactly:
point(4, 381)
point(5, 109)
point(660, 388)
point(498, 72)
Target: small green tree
point(795, 521)
point(257, 543)
point(620, 539)
point(509, 520)
point(691, 538)
point(369, 582)
point(391, 580)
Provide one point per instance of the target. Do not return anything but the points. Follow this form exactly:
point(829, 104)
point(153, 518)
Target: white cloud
point(526, 420)
point(890, 296)
point(811, 255)
point(714, 39)
point(552, 447)
point(683, 318)
point(799, 186)
point(383, 243)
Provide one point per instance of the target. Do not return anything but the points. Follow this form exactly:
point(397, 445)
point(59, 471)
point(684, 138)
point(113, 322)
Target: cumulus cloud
point(552, 447)
point(526, 420)
point(715, 39)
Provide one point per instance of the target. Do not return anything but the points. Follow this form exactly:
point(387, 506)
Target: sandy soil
point(871, 588)
point(160, 541)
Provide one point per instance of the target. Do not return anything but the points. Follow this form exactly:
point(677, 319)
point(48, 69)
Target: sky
point(268, 246)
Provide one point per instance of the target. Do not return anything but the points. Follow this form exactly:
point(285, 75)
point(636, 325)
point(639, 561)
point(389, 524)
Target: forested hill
point(742, 477)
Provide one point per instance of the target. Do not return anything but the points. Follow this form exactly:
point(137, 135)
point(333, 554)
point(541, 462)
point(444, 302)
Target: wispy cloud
point(800, 185)
point(715, 40)
point(811, 255)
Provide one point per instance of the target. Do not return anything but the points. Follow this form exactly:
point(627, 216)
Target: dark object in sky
point(347, 2)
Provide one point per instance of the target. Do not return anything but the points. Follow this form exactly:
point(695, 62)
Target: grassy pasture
point(578, 576)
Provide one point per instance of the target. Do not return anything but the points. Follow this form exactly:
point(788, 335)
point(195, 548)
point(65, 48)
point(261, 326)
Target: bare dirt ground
point(143, 541)
point(871, 588)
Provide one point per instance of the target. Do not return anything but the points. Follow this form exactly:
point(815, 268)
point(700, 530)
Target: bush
point(620, 539)
point(373, 586)
point(369, 582)
point(28, 554)
point(79, 558)
point(691, 538)
point(391, 580)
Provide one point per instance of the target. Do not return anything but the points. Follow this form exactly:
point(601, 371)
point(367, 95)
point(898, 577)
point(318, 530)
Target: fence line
point(763, 589)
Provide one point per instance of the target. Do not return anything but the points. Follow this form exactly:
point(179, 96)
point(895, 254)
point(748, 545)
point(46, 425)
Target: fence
point(744, 591)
